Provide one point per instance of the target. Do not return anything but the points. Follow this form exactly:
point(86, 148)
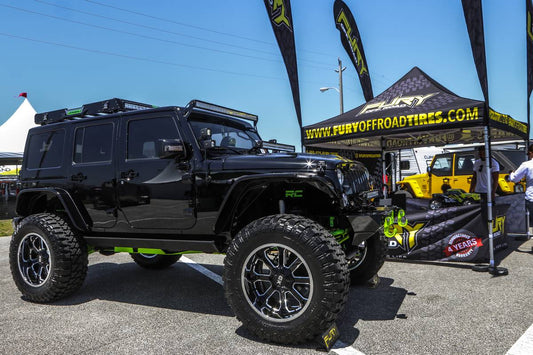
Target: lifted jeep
point(122, 176)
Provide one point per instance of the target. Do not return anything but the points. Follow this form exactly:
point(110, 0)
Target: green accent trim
point(332, 222)
point(74, 112)
point(152, 251)
point(90, 249)
point(341, 235)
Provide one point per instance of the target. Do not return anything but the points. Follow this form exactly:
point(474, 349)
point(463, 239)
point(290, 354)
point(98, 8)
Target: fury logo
point(498, 225)
point(406, 237)
point(401, 233)
point(529, 29)
point(397, 102)
point(278, 13)
point(342, 20)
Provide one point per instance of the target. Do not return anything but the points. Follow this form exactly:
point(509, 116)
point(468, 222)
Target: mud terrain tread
point(333, 266)
point(69, 253)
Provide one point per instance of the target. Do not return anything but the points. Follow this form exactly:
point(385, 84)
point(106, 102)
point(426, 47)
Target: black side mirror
point(171, 148)
point(205, 134)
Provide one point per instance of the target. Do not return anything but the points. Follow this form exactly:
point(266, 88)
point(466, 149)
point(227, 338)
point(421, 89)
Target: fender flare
point(71, 209)
point(241, 186)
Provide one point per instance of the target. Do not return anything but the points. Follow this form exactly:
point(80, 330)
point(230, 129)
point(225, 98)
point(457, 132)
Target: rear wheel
point(48, 261)
point(155, 261)
point(285, 278)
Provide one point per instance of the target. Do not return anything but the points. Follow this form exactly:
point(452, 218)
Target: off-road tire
point(47, 238)
point(370, 259)
point(322, 259)
point(154, 261)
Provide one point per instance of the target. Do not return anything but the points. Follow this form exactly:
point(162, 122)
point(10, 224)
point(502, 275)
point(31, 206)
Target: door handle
point(78, 177)
point(128, 175)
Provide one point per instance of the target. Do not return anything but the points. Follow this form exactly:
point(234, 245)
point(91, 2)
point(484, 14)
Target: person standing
point(479, 177)
point(526, 170)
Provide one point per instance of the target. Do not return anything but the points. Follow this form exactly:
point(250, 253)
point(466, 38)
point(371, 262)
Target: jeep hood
point(299, 162)
point(415, 177)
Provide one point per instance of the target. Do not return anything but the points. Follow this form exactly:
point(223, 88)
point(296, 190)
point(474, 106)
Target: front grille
point(356, 180)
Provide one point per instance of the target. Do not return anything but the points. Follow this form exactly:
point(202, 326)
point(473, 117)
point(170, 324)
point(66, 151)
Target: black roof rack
point(90, 110)
point(206, 106)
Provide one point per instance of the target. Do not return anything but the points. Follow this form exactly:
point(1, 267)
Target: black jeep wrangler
point(122, 176)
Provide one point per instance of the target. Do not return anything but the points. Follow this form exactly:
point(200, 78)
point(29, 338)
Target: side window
point(464, 164)
point(45, 150)
point(93, 144)
point(144, 136)
point(442, 166)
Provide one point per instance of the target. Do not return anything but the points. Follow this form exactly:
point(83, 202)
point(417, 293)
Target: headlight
point(340, 176)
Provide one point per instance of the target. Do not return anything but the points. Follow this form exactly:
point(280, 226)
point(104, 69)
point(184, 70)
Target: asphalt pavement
point(418, 308)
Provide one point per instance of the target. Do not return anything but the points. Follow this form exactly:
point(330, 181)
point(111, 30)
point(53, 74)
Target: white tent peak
point(14, 131)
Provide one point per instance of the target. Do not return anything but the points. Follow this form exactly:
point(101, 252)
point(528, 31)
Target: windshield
point(232, 136)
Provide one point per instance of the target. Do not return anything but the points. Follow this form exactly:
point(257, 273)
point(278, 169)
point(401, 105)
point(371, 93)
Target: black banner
point(279, 12)
point(351, 41)
point(474, 22)
point(447, 234)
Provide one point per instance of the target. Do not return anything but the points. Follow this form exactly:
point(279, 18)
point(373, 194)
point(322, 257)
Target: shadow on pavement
point(178, 287)
point(364, 303)
point(373, 304)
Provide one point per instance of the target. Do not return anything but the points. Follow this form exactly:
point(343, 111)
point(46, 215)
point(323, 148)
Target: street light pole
point(340, 70)
point(339, 90)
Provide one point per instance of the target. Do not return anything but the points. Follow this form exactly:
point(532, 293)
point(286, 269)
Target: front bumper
point(366, 225)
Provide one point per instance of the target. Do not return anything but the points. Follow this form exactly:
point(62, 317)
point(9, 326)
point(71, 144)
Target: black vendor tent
point(415, 111)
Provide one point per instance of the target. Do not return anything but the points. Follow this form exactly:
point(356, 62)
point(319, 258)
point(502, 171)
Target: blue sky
point(67, 53)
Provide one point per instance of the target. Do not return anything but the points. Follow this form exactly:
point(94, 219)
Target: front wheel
point(365, 260)
point(285, 277)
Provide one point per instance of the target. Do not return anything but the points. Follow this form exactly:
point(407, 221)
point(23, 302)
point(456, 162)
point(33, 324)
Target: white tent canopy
point(14, 131)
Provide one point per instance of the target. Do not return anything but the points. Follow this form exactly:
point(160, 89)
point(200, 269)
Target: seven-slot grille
point(356, 179)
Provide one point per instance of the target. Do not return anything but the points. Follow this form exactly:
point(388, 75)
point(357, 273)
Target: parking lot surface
point(418, 308)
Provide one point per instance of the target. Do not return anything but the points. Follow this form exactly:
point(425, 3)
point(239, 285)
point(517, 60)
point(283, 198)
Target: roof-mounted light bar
point(224, 110)
point(274, 146)
point(89, 110)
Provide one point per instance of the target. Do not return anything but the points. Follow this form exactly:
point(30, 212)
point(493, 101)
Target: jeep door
point(463, 170)
point(152, 193)
point(441, 171)
point(92, 173)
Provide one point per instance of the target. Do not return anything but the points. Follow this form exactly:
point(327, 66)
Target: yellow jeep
point(454, 170)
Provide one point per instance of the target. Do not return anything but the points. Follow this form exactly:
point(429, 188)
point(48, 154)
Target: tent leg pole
point(383, 174)
point(491, 268)
point(527, 224)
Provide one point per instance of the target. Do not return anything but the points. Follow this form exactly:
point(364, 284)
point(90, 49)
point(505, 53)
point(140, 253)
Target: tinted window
point(144, 135)
point(45, 150)
point(464, 164)
point(93, 144)
point(442, 166)
point(227, 133)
